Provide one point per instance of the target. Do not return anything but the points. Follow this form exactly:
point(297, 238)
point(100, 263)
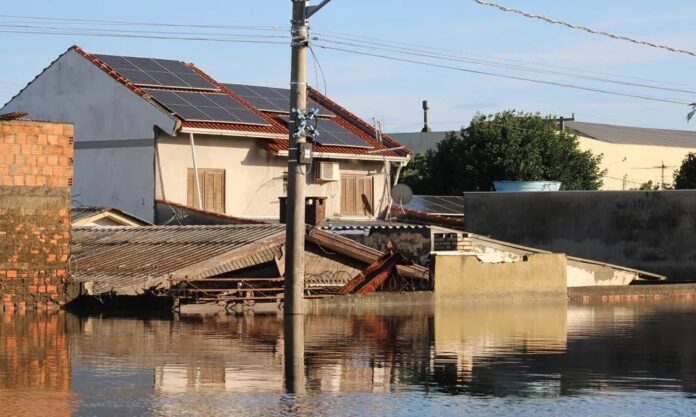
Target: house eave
point(328, 155)
point(236, 133)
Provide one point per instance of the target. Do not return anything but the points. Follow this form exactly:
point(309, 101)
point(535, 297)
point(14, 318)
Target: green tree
point(685, 176)
point(506, 146)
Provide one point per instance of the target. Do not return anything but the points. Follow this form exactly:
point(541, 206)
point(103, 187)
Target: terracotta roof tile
point(276, 125)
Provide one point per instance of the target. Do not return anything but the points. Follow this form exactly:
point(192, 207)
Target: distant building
point(103, 216)
point(634, 155)
point(419, 142)
point(143, 127)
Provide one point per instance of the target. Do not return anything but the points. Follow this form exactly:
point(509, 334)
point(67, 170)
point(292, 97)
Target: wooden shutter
point(357, 195)
point(212, 183)
point(365, 196)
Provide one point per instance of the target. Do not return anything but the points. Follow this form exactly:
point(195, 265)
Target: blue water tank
point(527, 185)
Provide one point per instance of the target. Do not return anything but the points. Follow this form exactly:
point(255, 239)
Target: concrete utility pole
point(299, 154)
point(295, 228)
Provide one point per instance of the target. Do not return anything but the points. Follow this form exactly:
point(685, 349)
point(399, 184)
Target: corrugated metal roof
point(634, 135)
point(119, 257)
point(339, 225)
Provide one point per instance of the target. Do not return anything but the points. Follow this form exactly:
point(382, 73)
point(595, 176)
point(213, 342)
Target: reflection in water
point(416, 361)
point(34, 365)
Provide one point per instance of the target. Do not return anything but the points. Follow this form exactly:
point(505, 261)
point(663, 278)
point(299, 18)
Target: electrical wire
point(422, 53)
point(132, 23)
point(584, 28)
point(383, 42)
point(136, 36)
point(131, 31)
point(511, 77)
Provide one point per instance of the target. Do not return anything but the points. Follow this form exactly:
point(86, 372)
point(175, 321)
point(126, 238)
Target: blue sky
point(392, 91)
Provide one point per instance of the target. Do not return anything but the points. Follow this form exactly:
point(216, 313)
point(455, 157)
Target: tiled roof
point(276, 125)
point(273, 128)
point(356, 126)
point(635, 135)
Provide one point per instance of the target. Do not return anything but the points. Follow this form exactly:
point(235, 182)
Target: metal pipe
point(195, 172)
point(396, 181)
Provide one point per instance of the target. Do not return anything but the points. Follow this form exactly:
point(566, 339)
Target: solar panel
point(331, 133)
point(156, 72)
point(271, 99)
point(440, 205)
point(206, 107)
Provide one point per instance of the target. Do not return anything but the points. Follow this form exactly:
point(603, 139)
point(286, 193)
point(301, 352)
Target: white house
point(143, 127)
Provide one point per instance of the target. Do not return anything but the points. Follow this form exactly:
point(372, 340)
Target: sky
point(392, 91)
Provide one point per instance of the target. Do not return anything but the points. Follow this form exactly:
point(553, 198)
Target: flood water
point(541, 360)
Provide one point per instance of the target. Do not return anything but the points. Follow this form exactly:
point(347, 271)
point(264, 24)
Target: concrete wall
point(464, 277)
point(114, 132)
point(629, 162)
point(36, 170)
point(653, 231)
point(253, 177)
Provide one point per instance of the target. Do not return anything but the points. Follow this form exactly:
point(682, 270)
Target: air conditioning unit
point(326, 171)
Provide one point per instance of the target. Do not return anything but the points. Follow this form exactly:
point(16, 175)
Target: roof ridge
point(344, 113)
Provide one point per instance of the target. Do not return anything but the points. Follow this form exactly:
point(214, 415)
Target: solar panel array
point(333, 134)
point(208, 107)
point(271, 99)
point(439, 205)
point(157, 72)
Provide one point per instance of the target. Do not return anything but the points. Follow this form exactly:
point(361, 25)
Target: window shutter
point(212, 183)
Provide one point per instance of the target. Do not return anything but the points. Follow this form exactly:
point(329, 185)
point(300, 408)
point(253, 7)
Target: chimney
point(426, 128)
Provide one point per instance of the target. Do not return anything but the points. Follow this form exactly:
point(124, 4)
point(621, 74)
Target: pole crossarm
point(310, 10)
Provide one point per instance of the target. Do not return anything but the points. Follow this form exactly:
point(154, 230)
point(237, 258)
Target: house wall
point(35, 168)
point(653, 231)
point(253, 176)
point(114, 132)
point(637, 158)
point(463, 277)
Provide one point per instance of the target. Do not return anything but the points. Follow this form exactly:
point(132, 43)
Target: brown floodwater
point(634, 359)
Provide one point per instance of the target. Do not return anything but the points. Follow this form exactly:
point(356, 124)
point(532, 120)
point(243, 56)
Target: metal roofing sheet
point(635, 135)
point(121, 256)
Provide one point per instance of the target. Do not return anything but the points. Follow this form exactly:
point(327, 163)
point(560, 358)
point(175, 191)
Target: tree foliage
point(511, 146)
point(685, 176)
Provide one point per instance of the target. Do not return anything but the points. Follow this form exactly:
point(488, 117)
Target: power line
point(140, 36)
point(422, 53)
point(512, 77)
point(132, 23)
point(378, 41)
point(584, 28)
point(135, 32)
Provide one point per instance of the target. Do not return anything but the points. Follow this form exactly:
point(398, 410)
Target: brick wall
point(445, 242)
point(35, 178)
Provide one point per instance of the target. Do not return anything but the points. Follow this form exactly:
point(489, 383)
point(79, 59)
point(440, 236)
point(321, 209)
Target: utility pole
point(299, 154)
point(295, 228)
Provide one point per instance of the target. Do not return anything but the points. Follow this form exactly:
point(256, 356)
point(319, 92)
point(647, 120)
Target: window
point(212, 183)
point(356, 195)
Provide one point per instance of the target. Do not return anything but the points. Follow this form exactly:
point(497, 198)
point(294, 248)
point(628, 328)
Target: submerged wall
point(36, 172)
point(650, 230)
point(539, 276)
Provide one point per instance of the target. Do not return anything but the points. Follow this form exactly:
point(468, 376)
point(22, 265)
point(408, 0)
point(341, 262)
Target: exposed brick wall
point(36, 174)
point(452, 242)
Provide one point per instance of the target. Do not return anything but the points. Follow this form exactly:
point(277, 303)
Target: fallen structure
point(470, 266)
point(228, 266)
